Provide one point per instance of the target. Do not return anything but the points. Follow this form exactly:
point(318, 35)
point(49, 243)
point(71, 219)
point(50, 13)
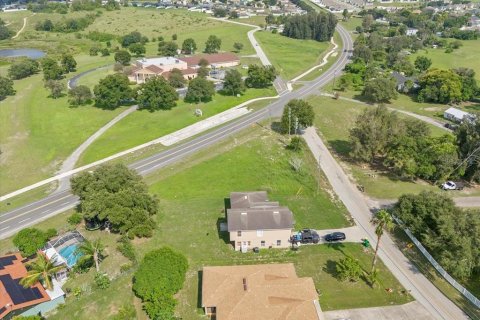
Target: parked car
point(451, 126)
point(336, 236)
point(451, 185)
point(309, 236)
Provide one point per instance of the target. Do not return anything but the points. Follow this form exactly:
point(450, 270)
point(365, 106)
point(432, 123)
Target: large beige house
point(254, 221)
point(253, 292)
point(152, 67)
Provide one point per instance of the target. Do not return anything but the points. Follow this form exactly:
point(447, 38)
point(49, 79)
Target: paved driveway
point(413, 310)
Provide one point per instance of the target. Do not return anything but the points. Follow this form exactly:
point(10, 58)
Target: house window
point(239, 233)
point(249, 243)
point(259, 233)
point(262, 243)
point(279, 243)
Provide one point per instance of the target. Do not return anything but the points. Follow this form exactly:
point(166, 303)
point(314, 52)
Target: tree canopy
point(468, 142)
point(23, 68)
point(156, 94)
point(450, 234)
point(402, 145)
point(123, 57)
point(200, 90)
point(159, 277)
point(442, 86)
point(51, 69)
point(168, 49)
point(318, 26)
point(297, 114)
point(189, 46)
point(30, 240)
point(112, 91)
point(260, 76)
point(213, 44)
point(380, 89)
point(116, 194)
point(6, 87)
point(233, 82)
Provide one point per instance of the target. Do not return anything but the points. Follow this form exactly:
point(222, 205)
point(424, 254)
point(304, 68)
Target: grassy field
point(143, 126)
point(185, 24)
point(378, 184)
point(192, 197)
point(290, 56)
point(38, 132)
point(256, 20)
point(466, 56)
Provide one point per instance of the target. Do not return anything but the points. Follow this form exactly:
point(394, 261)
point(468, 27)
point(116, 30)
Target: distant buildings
point(456, 115)
point(162, 66)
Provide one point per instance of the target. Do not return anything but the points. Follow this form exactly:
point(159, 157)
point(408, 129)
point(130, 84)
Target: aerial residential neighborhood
point(280, 159)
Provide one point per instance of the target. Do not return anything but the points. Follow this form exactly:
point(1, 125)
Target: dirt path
point(23, 27)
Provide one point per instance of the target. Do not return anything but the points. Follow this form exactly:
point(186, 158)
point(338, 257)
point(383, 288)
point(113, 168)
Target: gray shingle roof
point(266, 218)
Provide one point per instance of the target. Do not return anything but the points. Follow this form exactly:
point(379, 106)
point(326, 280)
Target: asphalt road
point(17, 219)
point(439, 306)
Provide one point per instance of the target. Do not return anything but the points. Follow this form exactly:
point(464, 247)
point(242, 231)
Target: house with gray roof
point(255, 221)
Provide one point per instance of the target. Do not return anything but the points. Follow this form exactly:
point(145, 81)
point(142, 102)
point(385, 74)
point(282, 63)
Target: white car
point(450, 185)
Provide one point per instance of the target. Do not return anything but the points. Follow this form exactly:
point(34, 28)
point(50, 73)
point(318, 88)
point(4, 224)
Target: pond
point(30, 53)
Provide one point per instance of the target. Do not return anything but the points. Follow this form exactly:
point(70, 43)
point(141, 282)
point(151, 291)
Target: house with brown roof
point(255, 222)
point(146, 68)
point(17, 300)
point(252, 292)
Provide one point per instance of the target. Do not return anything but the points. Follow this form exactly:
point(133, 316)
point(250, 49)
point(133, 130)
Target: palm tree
point(383, 221)
point(92, 250)
point(42, 269)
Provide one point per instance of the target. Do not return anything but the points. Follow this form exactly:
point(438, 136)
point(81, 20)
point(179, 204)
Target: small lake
point(30, 53)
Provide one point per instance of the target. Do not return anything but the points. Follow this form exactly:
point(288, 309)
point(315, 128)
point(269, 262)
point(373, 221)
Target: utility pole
point(296, 125)
point(334, 74)
point(289, 120)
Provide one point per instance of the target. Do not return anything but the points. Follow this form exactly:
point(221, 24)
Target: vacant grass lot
point(185, 24)
point(466, 56)
point(290, 56)
point(143, 126)
point(192, 197)
point(38, 132)
point(378, 183)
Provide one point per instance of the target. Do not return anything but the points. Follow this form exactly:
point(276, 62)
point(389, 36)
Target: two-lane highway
point(27, 215)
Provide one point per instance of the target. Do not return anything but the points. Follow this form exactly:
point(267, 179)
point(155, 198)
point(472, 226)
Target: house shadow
point(199, 289)
point(222, 230)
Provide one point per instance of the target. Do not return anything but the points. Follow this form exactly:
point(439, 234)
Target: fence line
point(467, 294)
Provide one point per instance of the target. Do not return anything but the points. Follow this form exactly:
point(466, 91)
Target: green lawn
point(143, 126)
point(185, 24)
point(466, 56)
point(192, 195)
point(378, 183)
point(256, 20)
point(38, 132)
point(290, 56)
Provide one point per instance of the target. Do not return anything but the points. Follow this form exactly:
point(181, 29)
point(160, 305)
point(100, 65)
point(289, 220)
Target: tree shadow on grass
point(331, 268)
point(342, 148)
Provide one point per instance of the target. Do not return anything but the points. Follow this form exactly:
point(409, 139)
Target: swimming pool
point(70, 255)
